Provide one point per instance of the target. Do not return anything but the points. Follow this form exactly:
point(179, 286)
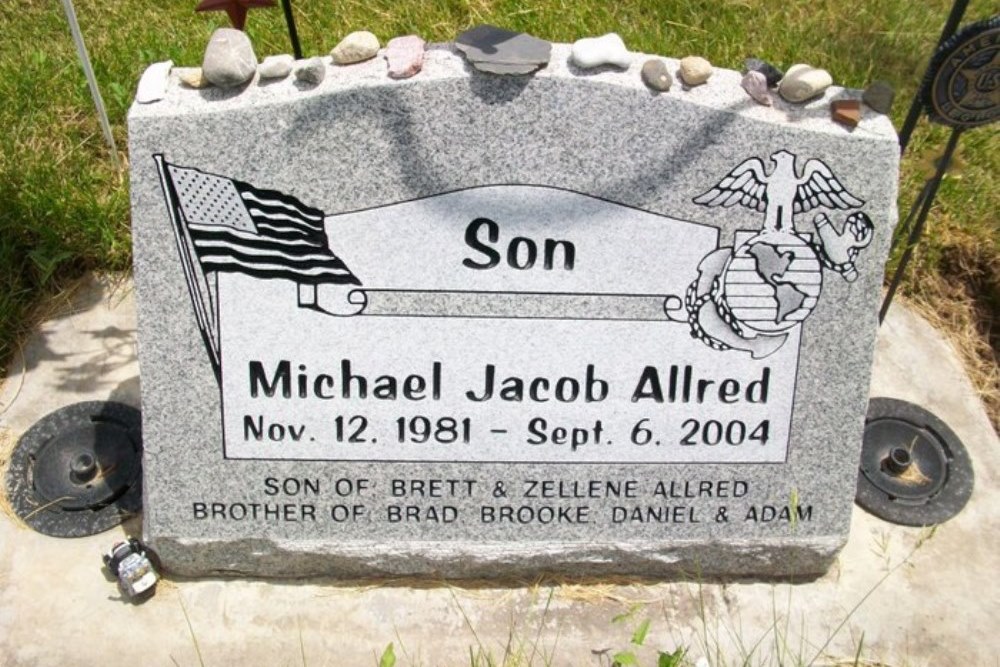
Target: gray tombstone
point(471, 325)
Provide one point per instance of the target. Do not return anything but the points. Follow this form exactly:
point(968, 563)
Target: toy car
point(129, 561)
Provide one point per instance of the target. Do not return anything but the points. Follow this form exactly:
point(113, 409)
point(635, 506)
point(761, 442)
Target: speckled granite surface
point(360, 140)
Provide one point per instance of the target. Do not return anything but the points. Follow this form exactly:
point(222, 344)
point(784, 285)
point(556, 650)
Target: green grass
point(64, 207)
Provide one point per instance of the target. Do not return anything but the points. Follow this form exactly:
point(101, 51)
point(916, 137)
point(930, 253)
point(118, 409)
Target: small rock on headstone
point(592, 52)
point(770, 72)
point(405, 56)
point(656, 75)
point(695, 70)
point(804, 82)
point(153, 84)
point(355, 48)
point(755, 83)
point(498, 51)
point(276, 67)
point(192, 77)
point(879, 96)
point(846, 112)
point(310, 71)
point(229, 58)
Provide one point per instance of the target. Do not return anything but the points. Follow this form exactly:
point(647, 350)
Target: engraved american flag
point(237, 228)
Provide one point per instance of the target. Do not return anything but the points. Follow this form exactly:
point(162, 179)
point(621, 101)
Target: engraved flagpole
point(205, 314)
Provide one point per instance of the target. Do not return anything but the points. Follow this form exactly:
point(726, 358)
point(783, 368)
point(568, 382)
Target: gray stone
point(695, 70)
point(310, 71)
point(229, 58)
point(405, 56)
point(608, 49)
point(656, 75)
point(276, 67)
point(804, 82)
point(770, 72)
point(498, 51)
point(192, 77)
point(755, 84)
point(326, 289)
point(355, 48)
point(879, 95)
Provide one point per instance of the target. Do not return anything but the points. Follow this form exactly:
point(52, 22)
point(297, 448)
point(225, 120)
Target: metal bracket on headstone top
point(78, 470)
point(914, 470)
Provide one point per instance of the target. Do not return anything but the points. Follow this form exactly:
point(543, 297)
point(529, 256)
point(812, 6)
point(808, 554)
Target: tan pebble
point(695, 70)
point(192, 77)
point(355, 48)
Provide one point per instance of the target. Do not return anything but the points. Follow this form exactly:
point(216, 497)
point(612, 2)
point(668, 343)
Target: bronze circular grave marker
point(962, 88)
point(78, 470)
point(914, 470)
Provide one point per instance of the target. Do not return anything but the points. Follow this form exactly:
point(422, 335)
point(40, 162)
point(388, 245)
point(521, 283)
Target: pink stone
point(755, 84)
point(405, 56)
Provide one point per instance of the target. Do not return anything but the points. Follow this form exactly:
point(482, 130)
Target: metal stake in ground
point(293, 34)
point(88, 71)
point(923, 205)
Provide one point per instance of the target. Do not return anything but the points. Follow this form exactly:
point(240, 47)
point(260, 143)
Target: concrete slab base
point(897, 596)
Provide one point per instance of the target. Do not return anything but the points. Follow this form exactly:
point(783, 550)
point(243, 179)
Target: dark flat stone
point(498, 51)
point(879, 96)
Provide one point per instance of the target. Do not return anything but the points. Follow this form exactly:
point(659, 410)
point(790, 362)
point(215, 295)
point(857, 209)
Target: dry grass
point(952, 311)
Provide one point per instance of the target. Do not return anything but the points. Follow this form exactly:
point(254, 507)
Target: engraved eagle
point(782, 193)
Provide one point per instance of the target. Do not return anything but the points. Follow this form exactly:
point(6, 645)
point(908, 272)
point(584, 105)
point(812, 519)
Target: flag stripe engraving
point(235, 227)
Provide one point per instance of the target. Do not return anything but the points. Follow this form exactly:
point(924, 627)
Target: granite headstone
point(467, 324)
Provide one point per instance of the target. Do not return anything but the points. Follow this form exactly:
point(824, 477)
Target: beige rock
point(695, 70)
point(355, 48)
point(192, 77)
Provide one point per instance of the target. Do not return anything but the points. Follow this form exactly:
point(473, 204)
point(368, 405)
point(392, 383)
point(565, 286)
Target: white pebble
point(593, 52)
point(803, 82)
point(153, 84)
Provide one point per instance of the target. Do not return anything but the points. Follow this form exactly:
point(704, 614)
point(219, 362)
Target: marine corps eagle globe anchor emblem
point(749, 296)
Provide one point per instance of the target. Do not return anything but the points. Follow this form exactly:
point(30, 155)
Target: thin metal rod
point(293, 34)
point(95, 92)
point(950, 26)
point(918, 229)
point(904, 227)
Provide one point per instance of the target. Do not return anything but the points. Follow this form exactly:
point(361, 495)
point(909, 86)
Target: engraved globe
point(771, 283)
